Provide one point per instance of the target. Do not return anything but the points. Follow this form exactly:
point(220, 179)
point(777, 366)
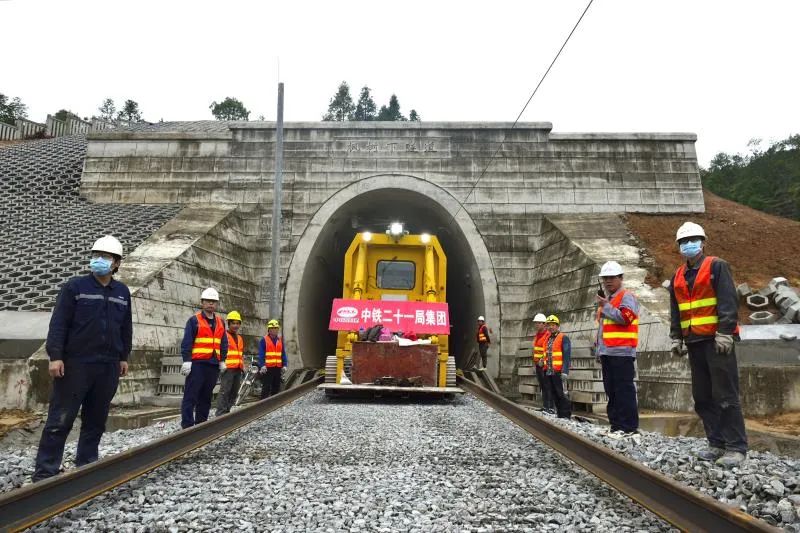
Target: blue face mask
point(690, 249)
point(100, 266)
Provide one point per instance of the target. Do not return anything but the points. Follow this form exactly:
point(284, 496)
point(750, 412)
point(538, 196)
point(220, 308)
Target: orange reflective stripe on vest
point(539, 345)
point(273, 353)
point(698, 307)
point(615, 334)
point(482, 334)
point(558, 354)
point(235, 350)
point(207, 342)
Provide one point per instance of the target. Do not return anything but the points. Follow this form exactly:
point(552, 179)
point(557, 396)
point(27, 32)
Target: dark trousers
point(622, 409)
point(715, 389)
point(270, 382)
point(556, 386)
point(229, 385)
point(197, 392)
point(85, 386)
point(547, 395)
point(483, 348)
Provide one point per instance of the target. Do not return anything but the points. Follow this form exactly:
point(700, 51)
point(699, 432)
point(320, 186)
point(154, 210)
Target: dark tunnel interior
point(374, 211)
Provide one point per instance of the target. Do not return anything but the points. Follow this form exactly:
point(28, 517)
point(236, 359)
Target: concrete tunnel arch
point(316, 268)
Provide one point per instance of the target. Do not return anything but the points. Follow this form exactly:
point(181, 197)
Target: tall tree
point(341, 107)
point(130, 112)
point(413, 116)
point(365, 107)
point(391, 113)
point(63, 114)
point(11, 109)
point(229, 109)
point(107, 109)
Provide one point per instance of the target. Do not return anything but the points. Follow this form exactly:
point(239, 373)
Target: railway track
point(682, 507)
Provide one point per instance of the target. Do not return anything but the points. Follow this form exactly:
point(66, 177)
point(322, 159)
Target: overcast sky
point(726, 70)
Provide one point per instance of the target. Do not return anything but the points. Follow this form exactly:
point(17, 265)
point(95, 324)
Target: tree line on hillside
point(342, 107)
point(767, 180)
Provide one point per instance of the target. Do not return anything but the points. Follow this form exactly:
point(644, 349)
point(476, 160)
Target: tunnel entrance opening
point(373, 211)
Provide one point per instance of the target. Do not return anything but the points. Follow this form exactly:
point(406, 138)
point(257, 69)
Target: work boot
point(712, 453)
point(731, 459)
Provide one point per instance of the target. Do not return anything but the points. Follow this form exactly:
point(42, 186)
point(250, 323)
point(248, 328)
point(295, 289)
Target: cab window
point(399, 275)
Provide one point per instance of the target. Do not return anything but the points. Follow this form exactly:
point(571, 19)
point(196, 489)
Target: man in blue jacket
point(88, 343)
point(204, 349)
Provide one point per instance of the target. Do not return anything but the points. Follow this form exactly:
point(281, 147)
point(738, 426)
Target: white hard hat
point(690, 229)
point(481, 318)
point(210, 294)
point(540, 318)
point(108, 244)
point(610, 268)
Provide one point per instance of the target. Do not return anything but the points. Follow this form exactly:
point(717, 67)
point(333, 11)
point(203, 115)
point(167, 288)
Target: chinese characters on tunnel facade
point(420, 317)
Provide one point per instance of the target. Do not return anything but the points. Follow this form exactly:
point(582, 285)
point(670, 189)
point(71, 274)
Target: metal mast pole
point(275, 245)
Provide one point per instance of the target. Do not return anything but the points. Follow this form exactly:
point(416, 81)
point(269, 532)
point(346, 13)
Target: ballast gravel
point(320, 465)
point(764, 485)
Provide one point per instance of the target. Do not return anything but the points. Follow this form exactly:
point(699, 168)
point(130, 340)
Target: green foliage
point(341, 107)
point(62, 115)
point(392, 112)
point(107, 109)
point(229, 109)
point(766, 180)
point(413, 116)
point(11, 109)
point(130, 112)
point(365, 107)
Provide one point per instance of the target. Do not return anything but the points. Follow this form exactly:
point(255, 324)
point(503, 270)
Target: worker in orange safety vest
point(271, 360)
point(539, 346)
point(558, 350)
point(615, 346)
point(231, 378)
point(704, 322)
point(203, 350)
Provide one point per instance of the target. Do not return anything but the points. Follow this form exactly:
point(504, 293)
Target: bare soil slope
point(758, 246)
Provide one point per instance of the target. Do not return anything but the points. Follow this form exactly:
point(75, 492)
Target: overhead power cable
point(544, 76)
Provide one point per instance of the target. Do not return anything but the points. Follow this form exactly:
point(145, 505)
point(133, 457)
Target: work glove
point(283, 371)
point(724, 343)
point(263, 370)
point(564, 378)
point(677, 349)
point(186, 368)
point(223, 366)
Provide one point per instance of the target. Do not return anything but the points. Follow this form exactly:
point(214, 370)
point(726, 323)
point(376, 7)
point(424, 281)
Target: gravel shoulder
point(317, 465)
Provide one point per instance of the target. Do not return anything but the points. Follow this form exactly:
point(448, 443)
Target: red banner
point(419, 317)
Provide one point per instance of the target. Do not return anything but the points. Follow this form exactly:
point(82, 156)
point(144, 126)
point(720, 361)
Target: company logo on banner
point(419, 317)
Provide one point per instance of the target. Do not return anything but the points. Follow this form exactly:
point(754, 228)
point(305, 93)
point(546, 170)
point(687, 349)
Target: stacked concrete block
point(782, 295)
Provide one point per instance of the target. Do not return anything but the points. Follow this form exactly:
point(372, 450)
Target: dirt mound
point(758, 246)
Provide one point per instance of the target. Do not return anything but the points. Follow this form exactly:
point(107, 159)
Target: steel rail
point(27, 506)
point(678, 504)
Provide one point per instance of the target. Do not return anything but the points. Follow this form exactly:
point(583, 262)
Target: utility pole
point(275, 245)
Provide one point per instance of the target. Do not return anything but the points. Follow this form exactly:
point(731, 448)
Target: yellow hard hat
point(553, 319)
point(234, 315)
point(273, 324)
